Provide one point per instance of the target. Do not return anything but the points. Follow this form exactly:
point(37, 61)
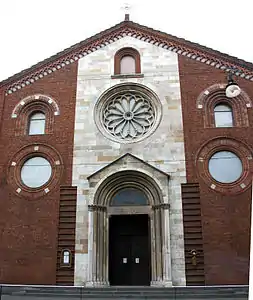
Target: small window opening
point(223, 115)
point(66, 257)
point(127, 65)
point(37, 123)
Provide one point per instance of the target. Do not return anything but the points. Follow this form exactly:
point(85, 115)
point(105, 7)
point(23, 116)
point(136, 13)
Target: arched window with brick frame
point(35, 115)
point(127, 61)
point(220, 111)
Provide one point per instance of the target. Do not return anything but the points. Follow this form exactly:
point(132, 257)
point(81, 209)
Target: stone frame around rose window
point(19, 158)
point(239, 148)
point(119, 89)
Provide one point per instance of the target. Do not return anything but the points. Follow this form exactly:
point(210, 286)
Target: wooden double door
point(129, 250)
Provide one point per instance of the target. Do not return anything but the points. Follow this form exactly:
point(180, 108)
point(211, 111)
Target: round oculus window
point(225, 167)
point(35, 172)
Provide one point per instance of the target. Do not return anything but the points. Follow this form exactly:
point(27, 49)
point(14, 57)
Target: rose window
point(129, 114)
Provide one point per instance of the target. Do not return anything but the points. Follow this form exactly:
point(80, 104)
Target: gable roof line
point(128, 28)
point(121, 157)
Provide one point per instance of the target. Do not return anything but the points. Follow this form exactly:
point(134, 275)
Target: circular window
point(128, 113)
point(35, 172)
point(225, 167)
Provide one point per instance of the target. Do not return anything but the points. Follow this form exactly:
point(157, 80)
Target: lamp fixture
point(232, 88)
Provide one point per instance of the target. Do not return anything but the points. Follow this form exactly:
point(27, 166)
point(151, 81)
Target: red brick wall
point(28, 227)
point(225, 219)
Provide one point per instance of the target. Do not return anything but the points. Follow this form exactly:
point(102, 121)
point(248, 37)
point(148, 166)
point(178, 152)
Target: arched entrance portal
point(129, 232)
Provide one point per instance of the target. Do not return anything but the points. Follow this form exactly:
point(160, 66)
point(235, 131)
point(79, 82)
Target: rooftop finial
point(126, 7)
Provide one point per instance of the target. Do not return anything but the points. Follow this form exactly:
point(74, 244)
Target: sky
point(33, 30)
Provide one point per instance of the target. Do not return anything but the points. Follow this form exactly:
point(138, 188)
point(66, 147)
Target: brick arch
point(127, 51)
point(31, 104)
point(214, 95)
point(35, 99)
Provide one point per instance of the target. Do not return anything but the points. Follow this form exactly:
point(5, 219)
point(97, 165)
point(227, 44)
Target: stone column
point(97, 246)
point(153, 248)
point(106, 249)
point(156, 239)
point(102, 249)
point(167, 278)
point(91, 209)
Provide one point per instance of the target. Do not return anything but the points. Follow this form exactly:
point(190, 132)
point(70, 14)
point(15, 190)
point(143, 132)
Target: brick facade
point(225, 218)
point(29, 226)
point(29, 232)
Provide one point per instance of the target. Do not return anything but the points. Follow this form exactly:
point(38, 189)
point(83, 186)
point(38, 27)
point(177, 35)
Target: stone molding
point(159, 226)
point(131, 131)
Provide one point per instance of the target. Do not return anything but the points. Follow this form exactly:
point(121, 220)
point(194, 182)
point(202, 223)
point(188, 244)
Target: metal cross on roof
point(126, 7)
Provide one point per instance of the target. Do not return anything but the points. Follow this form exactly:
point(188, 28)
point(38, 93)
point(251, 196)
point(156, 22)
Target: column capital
point(165, 206)
point(95, 207)
point(161, 206)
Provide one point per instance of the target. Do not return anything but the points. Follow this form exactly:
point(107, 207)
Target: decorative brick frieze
point(137, 31)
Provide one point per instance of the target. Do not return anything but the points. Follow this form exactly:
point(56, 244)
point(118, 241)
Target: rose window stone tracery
point(127, 113)
point(128, 116)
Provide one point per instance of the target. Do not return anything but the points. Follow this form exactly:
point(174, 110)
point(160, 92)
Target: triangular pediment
point(126, 162)
point(180, 46)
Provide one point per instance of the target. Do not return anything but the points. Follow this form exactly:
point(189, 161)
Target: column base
point(161, 283)
point(96, 284)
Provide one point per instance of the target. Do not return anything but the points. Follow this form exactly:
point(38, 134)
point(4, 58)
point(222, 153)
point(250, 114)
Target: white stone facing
point(164, 149)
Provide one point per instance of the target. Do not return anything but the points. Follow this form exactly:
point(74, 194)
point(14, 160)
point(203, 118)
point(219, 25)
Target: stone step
point(14, 292)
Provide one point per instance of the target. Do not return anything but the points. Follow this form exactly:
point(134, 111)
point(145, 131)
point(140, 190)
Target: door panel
point(129, 250)
point(140, 260)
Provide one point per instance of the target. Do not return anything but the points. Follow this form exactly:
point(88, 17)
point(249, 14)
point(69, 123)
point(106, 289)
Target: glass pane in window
point(66, 256)
point(223, 116)
point(127, 65)
point(129, 197)
point(37, 124)
point(225, 167)
point(35, 172)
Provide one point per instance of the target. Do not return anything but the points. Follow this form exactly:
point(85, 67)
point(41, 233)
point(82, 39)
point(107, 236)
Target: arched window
point(223, 115)
point(127, 62)
point(127, 65)
point(37, 122)
point(66, 258)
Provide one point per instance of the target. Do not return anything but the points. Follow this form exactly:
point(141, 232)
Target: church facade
point(123, 162)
